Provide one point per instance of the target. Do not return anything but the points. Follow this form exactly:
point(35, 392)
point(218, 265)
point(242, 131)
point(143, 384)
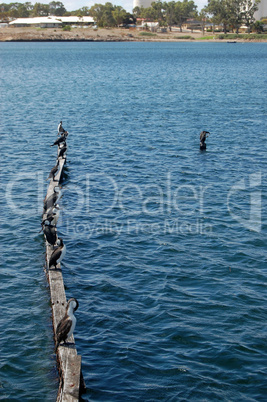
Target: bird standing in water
point(203, 136)
point(66, 325)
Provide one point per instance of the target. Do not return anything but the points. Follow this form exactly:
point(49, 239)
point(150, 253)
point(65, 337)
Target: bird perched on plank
point(52, 215)
point(50, 232)
point(61, 139)
point(66, 325)
point(202, 138)
point(62, 152)
point(53, 171)
point(50, 201)
point(60, 128)
point(58, 254)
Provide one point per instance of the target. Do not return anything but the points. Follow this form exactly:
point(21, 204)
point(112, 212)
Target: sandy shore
point(8, 34)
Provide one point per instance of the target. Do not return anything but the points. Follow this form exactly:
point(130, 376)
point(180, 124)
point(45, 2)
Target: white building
point(152, 26)
point(76, 20)
point(51, 22)
point(42, 22)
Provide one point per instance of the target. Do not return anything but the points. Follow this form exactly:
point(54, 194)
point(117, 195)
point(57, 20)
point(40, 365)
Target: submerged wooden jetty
point(71, 384)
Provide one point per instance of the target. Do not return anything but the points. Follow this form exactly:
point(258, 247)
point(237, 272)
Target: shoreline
point(32, 34)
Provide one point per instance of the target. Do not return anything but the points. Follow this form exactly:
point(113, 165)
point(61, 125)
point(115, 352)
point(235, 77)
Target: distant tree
point(108, 19)
point(258, 27)
point(183, 11)
point(202, 17)
point(137, 11)
point(103, 14)
point(148, 14)
point(234, 14)
point(219, 12)
point(97, 11)
point(248, 13)
point(40, 10)
point(157, 6)
point(14, 10)
point(119, 15)
point(23, 12)
point(4, 8)
point(84, 11)
point(28, 5)
point(169, 13)
point(129, 19)
point(56, 8)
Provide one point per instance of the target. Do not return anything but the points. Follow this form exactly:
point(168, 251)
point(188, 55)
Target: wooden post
point(69, 363)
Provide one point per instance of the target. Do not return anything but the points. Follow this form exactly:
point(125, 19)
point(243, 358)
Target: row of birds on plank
point(66, 325)
point(51, 209)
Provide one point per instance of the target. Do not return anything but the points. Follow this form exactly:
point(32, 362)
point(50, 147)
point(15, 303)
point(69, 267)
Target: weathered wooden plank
point(68, 360)
point(71, 369)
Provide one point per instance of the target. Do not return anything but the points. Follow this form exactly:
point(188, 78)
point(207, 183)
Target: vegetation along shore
point(219, 20)
point(116, 35)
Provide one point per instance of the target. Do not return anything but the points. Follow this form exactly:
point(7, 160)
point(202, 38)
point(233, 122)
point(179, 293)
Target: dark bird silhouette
point(62, 152)
point(50, 232)
point(66, 325)
point(62, 144)
point(61, 139)
point(58, 254)
point(202, 138)
point(52, 215)
point(53, 171)
point(50, 201)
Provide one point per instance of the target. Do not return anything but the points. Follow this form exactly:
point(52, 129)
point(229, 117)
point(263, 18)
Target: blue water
point(166, 246)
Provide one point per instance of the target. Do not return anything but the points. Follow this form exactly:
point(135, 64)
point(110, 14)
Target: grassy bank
point(252, 37)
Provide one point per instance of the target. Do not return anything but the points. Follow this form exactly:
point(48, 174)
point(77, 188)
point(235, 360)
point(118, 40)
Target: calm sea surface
point(166, 246)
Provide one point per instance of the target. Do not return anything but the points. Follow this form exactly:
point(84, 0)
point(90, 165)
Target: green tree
point(183, 11)
point(108, 20)
point(157, 7)
point(148, 14)
point(219, 12)
point(4, 8)
point(119, 15)
point(103, 14)
point(28, 5)
point(84, 11)
point(40, 10)
point(23, 11)
point(56, 8)
point(169, 13)
point(202, 17)
point(97, 11)
point(234, 13)
point(258, 27)
point(248, 13)
point(137, 11)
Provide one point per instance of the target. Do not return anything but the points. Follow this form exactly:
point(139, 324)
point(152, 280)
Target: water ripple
point(162, 254)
